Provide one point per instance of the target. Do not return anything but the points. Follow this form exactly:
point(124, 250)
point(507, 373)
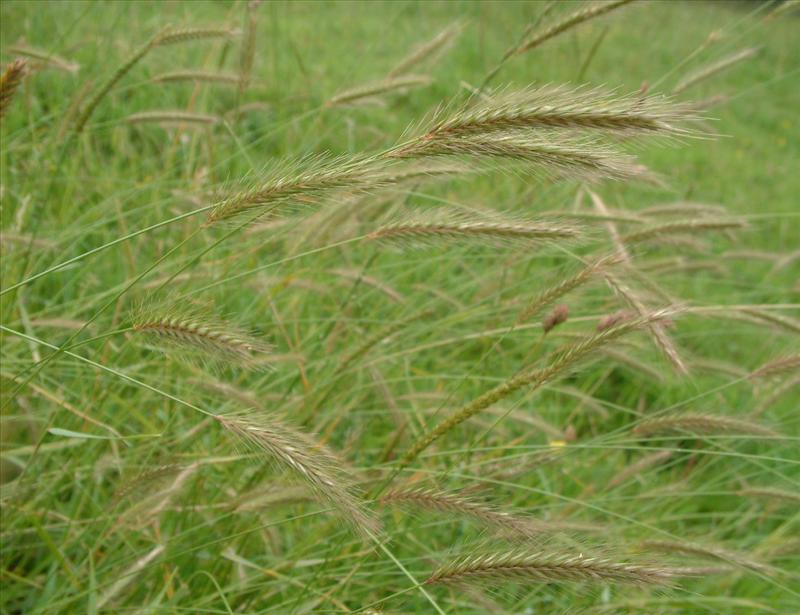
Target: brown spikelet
point(700, 424)
point(535, 566)
point(426, 50)
point(370, 90)
point(778, 366)
point(567, 285)
point(299, 453)
point(536, 38)
point(707, 551)
point(201, 336)
point(613, 319)
point(557, 365)
point(434, 499)
point(9, 82)
point(557, 316)
point(705, 72)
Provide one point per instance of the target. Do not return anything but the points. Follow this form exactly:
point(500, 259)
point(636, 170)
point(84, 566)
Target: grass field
point(158, 458)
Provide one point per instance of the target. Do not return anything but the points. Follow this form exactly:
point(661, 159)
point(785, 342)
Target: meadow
point(400, 307)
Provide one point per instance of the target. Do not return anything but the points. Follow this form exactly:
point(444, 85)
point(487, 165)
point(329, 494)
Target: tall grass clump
point(398, 308)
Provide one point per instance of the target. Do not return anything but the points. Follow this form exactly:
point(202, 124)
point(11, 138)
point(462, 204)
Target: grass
point(242, 486)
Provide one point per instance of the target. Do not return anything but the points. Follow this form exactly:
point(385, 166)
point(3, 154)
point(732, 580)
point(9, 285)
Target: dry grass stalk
point(570, 21)
point(558, 364)
point(778, 366)
point(9, 82)
point(442, 225)
point(707, 551)
point(657, 331)
point(700, 424)
point(370, 90)
point(176, 117)
point(201, 336)
point(426, 50)
point(636, 468)
point(299, 453)
point(567, 285)
point(44, 58)
point(526, 564)
point(717, 67)
point(770, 493)
point(434, 499)
point(557, 316)
point(681, 226)
point(565, 107)
point(197, 76)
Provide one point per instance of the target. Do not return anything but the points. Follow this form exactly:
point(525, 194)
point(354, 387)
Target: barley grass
point(176, 117)
point(528, 565)
point(378, 88)
point(300, 454)
point(446, 502)
point(580, 16)
point(778, 366)
point(700, 424)
point(770, 493)
point(441, 226)
point(556, 366)
point(198, 76)
point(707, 551)
point(44, 58)
point(565, 107)
point(202, 336)
point(427, 50)
point(706, 72)
point(567, 285)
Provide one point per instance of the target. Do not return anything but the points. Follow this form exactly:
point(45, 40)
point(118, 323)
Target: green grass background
point(65, 538)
